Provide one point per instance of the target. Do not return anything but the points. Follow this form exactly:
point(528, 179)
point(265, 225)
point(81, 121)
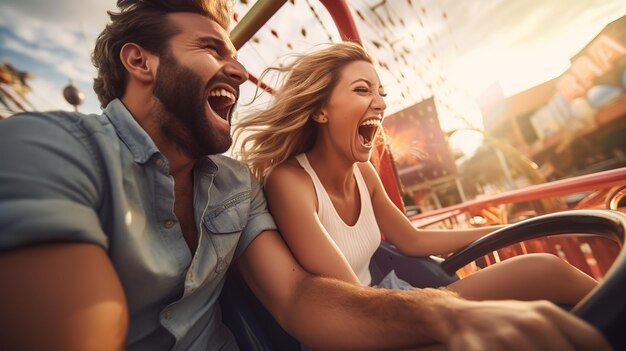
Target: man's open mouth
point(221, 101)
point(367, 131)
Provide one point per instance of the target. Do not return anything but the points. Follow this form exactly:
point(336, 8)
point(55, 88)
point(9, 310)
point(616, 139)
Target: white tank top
point(358, 242)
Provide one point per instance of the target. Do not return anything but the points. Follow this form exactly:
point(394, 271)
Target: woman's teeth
point(367, 131)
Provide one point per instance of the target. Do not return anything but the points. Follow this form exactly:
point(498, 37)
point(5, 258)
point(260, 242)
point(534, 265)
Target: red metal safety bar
point(595, 181)
point(592, 255)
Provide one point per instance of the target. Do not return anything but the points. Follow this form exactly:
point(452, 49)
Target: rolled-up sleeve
point(49, 184)
point(259, 218)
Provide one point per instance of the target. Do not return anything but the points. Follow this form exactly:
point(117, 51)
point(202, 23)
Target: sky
point(53, 42)
point(473, 43)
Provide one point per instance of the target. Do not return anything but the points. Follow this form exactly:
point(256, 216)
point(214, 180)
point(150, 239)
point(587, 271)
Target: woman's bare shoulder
point(287, 174)
point(289, 185)
point(369, 175)
point(367, 169)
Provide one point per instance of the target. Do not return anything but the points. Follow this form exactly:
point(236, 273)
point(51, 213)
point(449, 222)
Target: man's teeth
point(224, 93)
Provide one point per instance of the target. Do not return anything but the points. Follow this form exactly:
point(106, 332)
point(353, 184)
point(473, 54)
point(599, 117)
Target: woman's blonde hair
point(285, 128)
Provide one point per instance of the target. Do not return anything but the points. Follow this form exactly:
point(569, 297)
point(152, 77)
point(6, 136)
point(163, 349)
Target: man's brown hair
point(143, 22)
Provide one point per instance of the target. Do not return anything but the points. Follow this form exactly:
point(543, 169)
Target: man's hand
point(514, 325)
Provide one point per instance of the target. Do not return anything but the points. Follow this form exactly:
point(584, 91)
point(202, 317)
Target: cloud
point(65, 65)
point(45, 34)
point(64, 13)
point(47, 95)
point(56, 45)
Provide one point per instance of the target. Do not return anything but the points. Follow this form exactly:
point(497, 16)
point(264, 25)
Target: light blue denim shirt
point(101, 179)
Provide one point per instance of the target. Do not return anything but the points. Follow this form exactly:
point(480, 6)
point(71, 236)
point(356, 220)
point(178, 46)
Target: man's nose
point(236, 72)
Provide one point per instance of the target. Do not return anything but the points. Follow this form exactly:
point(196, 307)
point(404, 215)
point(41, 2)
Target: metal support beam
point(339, 11)
point(256, 18)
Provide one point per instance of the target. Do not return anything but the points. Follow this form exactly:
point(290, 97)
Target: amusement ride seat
point(255, 328)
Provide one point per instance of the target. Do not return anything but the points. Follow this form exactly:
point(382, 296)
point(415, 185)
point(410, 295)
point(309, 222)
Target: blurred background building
point(571, 125)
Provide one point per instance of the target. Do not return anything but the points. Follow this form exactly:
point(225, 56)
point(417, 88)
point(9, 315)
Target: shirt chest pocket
point(225, 223)
point(230, 216)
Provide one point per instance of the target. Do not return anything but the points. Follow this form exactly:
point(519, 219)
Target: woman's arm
point(401, 232)
point(293, 203)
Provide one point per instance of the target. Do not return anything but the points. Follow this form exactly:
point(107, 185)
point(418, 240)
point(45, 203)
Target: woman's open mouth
point(221, 102)
point(367, 131)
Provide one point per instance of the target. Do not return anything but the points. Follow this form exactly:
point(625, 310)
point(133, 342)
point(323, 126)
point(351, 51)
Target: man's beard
point(183, 116)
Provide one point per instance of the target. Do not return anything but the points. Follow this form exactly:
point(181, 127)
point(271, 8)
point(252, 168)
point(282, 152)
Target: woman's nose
point(378, 104)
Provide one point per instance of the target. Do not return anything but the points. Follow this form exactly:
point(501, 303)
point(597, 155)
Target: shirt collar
point(206, 166)
point(130, 132)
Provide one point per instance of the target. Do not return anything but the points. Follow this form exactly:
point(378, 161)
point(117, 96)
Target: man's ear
point(139, 63)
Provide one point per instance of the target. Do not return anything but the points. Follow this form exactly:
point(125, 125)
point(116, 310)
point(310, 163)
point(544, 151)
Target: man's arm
point(63, 296)
point(58, 289)
point(328, 314)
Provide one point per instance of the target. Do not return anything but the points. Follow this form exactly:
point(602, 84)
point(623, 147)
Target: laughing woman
point(311, 149)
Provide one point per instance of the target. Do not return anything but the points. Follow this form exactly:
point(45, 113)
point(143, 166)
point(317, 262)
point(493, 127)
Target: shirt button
point(168, 224)
point(159, 162)
point(221, 265)
point(167, 314)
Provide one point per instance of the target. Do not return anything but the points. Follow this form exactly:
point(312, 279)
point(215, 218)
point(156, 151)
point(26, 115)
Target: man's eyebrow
point(219, 44)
